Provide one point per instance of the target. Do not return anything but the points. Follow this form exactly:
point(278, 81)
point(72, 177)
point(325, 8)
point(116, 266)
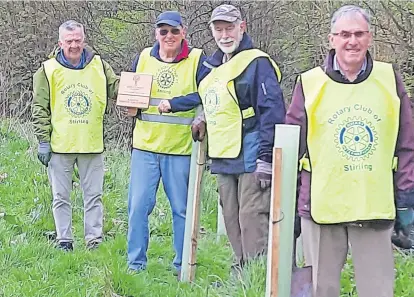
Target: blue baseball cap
point(172, 18)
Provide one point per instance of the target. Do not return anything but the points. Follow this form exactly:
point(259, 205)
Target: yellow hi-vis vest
point(221, 106)
point(351, 136)
point(78, 102)
point(166, 133)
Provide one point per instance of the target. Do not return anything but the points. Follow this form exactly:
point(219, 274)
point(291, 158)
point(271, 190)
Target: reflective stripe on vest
point(78, 102)
point(166, 133)
point(352, 132)
point(155, 101)
point(221, 105)
point(166, 119)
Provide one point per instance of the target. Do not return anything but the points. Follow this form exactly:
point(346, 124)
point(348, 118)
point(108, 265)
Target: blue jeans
point(146, 171)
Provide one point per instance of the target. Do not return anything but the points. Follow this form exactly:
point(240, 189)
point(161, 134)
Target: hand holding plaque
point(134, 91)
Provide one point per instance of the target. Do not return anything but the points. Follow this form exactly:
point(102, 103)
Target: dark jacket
point(256, 87)
point(403, 177)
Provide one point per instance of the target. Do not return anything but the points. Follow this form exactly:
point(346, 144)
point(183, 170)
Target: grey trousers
point(91, 173)
point(246, 214)
point(326, 247)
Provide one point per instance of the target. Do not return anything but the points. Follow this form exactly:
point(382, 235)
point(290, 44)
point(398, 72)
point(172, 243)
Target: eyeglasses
point(174, 31)
point(75, 41)
point(347, 35)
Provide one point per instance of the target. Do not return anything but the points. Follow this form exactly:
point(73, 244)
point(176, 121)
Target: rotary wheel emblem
point(211, 102)
point(356, 139)
point(78, 104)
point(165, 79)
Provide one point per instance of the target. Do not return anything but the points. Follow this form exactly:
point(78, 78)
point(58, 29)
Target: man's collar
point(225, 58)
point(184, 52)
point(66, 63)
point(336, 75)
point(336, 66)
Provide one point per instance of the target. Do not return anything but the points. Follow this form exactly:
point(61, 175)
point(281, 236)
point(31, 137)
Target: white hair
point(70, 25)
point(350, 10)
point(236, 22)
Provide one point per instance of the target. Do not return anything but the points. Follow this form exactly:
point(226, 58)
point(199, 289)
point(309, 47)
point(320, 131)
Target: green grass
point(31, 266)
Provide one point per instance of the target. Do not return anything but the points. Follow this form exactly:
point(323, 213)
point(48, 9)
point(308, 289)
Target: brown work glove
point(198, 128)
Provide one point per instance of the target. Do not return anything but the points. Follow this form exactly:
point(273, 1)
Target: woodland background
point(294, 33)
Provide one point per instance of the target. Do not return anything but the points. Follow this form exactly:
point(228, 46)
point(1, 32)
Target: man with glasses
point(162, 144)
point(357, 151)
point(242, 101)
point(70, 92)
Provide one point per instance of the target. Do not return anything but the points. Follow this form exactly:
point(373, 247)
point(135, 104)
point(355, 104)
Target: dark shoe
point(216, 284)
point(65, 246)
point(135, 270)
point(50, 235)
point(177, 273)
point(236, 270)
point(93, 245)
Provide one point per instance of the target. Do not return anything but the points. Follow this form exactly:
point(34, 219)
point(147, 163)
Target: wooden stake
point(282, 211)
point(195, 224)
point(192, 222)
point(275, 219)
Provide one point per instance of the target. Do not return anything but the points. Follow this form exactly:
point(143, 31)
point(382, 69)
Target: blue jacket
point(256, 87)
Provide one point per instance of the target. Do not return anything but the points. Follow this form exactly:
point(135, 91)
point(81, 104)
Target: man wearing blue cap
point(242, 101)
point(162, 143)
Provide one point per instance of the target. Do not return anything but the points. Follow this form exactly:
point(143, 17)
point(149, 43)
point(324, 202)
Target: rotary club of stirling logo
point(356, 139)
point(78, 103)
point(211, 101)
point(166, 77)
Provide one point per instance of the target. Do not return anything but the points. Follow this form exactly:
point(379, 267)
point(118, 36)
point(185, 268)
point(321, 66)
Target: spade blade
point(301, 282)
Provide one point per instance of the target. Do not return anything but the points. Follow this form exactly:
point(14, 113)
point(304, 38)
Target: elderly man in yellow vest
point(69, 101)
point(162, 143)
point(357, 152)
point(242, 101)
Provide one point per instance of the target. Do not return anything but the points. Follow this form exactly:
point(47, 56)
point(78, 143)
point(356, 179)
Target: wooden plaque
point(134, 90)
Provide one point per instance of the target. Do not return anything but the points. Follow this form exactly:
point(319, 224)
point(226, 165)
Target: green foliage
point(293, 33)
point(32, 267)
